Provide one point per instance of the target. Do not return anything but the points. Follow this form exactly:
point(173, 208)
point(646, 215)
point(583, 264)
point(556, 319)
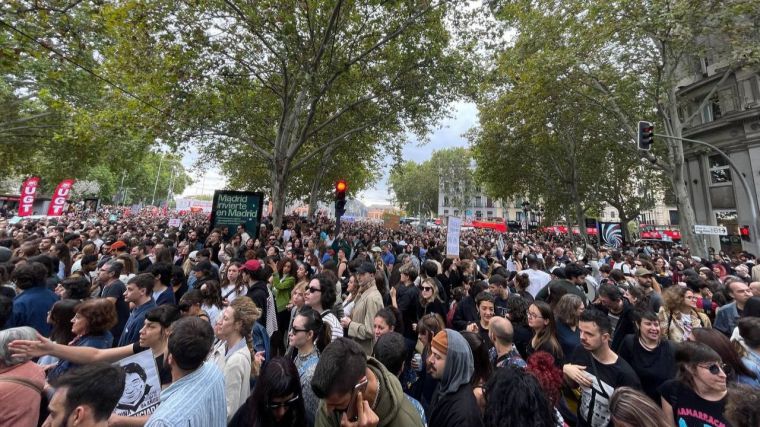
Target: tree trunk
point(687, 217)
point(624, 221)
point(580, 215)
point(279, 191)
point(315, 185)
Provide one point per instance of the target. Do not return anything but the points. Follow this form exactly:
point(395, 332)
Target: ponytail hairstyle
point(246, 311)
point(315, 324)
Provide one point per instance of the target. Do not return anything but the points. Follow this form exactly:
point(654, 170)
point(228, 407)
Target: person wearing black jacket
point(620, 312)
point(253, 275)
point(452, 363)
point(449, 278)
point(405, 297)
point(429, 269)
point(466, 311)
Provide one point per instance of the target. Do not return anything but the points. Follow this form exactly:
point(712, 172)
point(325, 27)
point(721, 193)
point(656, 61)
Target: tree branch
point(709, 95)
point(319, 149)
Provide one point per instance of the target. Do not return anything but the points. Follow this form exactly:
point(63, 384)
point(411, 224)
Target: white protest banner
point(175, 222)
point(452, 236)
point(142, 389)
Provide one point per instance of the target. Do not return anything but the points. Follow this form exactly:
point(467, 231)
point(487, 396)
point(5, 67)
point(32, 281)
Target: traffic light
point(744, 232)
point(340, 198)
point(646, 135)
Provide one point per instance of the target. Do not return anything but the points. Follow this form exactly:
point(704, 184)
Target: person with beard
point(597, 370)
point(451, 362)
point(356, 388)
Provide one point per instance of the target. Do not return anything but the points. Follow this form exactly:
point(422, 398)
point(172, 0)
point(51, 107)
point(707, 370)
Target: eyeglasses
point(310, 289)
point(715, 368)
point(534, 316)
point(427, 288)
point(294, 330)
point(285, 404)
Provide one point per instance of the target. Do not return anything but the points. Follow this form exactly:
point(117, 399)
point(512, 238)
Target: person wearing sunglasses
point(430, 300)
point(697, 396)
point(307, 338)
point(276, 399)
point(679, 314)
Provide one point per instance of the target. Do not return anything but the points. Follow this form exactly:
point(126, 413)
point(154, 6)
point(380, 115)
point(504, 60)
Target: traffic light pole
point(755, 232)
point(337, 226)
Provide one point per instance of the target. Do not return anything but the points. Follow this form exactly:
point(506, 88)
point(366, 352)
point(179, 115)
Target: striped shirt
point(196, 399)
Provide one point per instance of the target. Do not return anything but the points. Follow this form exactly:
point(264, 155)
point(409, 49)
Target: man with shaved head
point(501, 333)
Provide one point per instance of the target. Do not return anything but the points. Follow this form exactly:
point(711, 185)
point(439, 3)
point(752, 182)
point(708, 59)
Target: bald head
point(755, 288)
point(501, 330)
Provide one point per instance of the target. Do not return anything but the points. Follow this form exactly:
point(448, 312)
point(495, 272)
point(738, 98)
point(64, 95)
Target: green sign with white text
point(233, 208)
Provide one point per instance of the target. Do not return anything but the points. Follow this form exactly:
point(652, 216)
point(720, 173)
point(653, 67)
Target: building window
point(720, 171)
point(445, 211)
point(749, 92)
point(711, 110)
point(490, 214)
point(478, 214)
point(446, 201)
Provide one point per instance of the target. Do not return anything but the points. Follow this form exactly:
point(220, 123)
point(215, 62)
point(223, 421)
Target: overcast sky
point(449, 133)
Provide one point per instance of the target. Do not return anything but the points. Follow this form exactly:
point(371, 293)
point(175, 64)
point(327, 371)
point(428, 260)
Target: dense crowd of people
point(293, 325)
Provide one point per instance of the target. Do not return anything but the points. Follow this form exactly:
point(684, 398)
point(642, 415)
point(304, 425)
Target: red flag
point(28, 190)
point(60, 195)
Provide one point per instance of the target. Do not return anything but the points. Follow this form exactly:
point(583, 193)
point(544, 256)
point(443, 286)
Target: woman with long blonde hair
point(234, 350)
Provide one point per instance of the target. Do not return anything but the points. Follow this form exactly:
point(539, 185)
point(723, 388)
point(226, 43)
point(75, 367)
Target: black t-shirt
point(652, 367)
point(523, 335)
point(116, 290)
point(690, 410)
point(500, 307)
point(164, 370)
point(143, 264)
point(593, 410)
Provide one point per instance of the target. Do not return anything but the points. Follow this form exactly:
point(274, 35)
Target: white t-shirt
point(538, 279)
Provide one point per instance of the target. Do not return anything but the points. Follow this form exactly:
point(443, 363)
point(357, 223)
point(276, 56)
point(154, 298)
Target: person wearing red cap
point(118, 247)
point(255, 276)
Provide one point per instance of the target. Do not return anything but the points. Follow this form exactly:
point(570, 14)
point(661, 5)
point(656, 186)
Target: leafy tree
point(271, 85)
point(628, 57)
point(415, 187)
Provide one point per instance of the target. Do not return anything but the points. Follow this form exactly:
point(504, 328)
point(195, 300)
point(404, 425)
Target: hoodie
point(454, 402)
point(393, 409)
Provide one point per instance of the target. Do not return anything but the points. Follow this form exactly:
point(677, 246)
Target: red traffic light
point(341, 186)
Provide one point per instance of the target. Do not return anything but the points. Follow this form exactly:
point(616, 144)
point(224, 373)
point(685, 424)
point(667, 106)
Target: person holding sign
point(153, 335)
